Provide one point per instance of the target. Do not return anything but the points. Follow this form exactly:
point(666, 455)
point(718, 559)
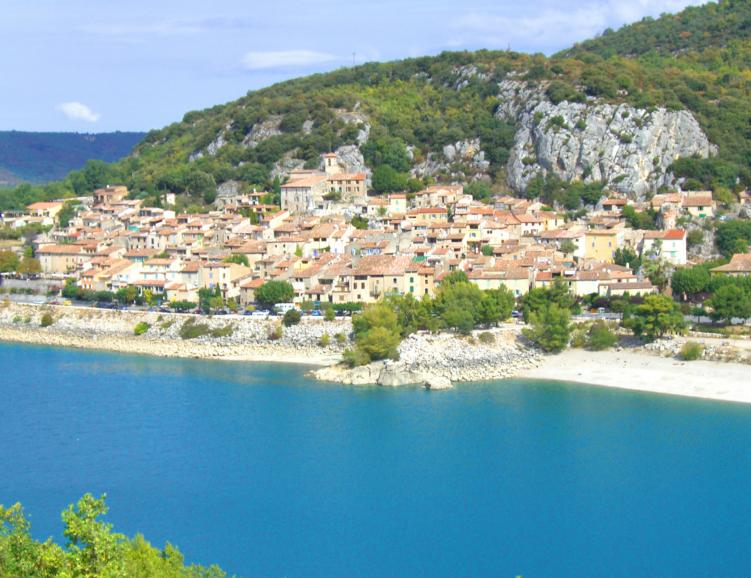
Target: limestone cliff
point(628, 148)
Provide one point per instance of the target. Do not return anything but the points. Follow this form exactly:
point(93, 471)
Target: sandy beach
point(644, 372)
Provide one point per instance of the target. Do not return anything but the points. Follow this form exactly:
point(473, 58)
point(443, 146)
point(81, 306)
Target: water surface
point(267, 473)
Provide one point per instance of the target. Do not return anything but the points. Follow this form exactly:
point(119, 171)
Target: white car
point(260, 313)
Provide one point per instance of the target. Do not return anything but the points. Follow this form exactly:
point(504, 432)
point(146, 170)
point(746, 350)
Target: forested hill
point(713, 25)
point(40, 157)
point(658, 104)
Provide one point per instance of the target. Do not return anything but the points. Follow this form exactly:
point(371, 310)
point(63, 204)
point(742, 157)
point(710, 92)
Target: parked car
point(316, 313)
point(260, 313)
point(516, 314)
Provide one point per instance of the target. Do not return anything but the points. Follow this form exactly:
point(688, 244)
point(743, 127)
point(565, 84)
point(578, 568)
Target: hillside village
point(335, 244)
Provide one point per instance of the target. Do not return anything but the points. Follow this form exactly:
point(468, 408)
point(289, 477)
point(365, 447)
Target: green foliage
point(191, 329)
point(640, 220)
point(325, 340)
point(486, 337)
point(46, 320)
point(691, 351)
point(238, 259)
point(658, 272)
point(92, 549)
point(359, 222)
point(627, 257)
point(658, 315)
point(600, 337)
point(329, 314)
point(9, 262)
point(694, 238)
point(341, 338)
point(549, 328)
point(733, 237)
point(225, 331)
point(273, 292)
point(553, 191)
point(487, 250)
point(480, 191)
point(690, 281)
point(291, 317)
point(540, 297)
point(276, 332)
point(730, 301)
point(386, 179)
point(141, 328)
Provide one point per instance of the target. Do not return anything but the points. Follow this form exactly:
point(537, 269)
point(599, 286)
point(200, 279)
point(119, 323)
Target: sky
point(104, 65)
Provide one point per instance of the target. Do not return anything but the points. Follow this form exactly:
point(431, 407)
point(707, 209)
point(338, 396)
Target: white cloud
point(78, 111)
point(284, 59)
point(555, 28)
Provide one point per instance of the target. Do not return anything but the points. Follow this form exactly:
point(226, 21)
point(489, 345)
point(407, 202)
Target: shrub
point(325, 340)
point(600, 337)
point(276, 332)
point(225, 331)
point(141, 328)
point(291, 317)
point(190, 329)
point(486, 337)
point(340, 338)
point(329, 314)
point(691, 351)
point(47, 320)
point(355, 357)
point(167, 324)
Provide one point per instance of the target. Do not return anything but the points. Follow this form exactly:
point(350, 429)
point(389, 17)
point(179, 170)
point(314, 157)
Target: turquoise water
point(267, 473)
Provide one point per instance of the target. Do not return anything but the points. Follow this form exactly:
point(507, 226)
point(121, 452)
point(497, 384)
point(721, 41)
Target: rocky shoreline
point(437, 361)
point(238, 338)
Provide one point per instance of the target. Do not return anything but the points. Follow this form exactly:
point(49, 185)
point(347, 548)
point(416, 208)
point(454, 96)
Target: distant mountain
point(39, 157)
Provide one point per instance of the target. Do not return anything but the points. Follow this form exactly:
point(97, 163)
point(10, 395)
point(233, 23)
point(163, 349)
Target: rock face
point(350, 157)
point(628, 148)
point(460, 160)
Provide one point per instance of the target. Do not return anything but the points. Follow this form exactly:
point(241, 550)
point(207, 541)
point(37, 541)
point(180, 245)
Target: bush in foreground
point(47, 320)
point(141, 328)
point(92, 549)
point(691, 351)
point(291, 317)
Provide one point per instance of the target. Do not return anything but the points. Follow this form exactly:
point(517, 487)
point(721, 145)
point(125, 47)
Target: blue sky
point(101, 65)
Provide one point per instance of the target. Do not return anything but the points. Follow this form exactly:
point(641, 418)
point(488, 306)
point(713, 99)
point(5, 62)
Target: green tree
point(689, 281)
point(568, 247)
point(549, 328)
point(627, 257)
point(658, 315)
point(273, 292)
point(487, 250)
point(480, 191)
point(29, 266)
point(730, 301)
point(387, 180)
point(9, 262)
point(238, 259)
point(658, 272)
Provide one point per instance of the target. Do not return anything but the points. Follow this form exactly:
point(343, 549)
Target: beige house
point(739, 266)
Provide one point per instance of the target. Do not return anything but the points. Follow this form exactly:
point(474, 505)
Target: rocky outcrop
point(463, 159)
point(263, 130)
point(628, 148)
point(351, 159)
point(435, 361)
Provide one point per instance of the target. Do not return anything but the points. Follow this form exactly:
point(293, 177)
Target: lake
point(265, 472)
